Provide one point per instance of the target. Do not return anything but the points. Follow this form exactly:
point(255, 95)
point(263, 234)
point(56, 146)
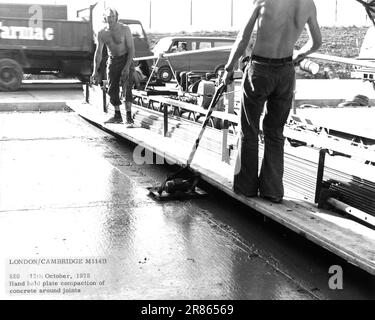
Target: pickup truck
point(36, 44)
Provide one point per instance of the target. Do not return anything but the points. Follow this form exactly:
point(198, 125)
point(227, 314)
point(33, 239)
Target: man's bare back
point(279, 25)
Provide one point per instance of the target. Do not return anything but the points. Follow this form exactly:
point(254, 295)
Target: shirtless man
point(269, 77)
point(120, 67)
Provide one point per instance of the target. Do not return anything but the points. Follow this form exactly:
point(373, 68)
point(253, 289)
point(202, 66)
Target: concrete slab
point(329, 91)
point(40, 97)
point(68, 195)
point(356, 120)
point(319, 99)
point(76, 223)
point(345, 238)
point(64, 83)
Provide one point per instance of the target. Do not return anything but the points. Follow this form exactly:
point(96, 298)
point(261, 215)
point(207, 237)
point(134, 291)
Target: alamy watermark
point(336, 281)
point(34, 31)
point(144, 156)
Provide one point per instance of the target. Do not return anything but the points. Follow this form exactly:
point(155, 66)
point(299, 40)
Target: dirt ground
point(338, 41)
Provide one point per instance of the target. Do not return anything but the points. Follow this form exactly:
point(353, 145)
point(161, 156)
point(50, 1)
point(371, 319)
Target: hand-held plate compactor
point(183, 183)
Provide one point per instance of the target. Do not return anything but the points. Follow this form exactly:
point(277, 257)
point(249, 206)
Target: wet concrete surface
point(70, 190)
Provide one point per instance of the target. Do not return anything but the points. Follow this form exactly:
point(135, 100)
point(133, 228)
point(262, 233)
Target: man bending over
point(120, 67)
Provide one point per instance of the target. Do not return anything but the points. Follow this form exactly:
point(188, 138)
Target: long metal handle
point(215, 99)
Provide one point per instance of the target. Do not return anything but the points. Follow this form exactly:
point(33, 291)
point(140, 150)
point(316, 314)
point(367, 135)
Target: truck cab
point(141, 44)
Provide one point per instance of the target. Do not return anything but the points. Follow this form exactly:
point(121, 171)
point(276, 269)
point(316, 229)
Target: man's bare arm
point(243, 37)
point(242, 41)
point(98, 55)
point(315, 37)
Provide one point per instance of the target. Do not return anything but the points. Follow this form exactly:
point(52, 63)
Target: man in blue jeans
point(269, 78)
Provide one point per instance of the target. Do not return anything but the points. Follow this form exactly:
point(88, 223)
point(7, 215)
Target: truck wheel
point(165, 74)
point(11, 75)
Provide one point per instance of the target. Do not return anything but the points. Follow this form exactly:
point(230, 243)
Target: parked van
point(201, 62)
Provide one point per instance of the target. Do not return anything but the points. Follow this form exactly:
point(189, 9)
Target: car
point(201, 62)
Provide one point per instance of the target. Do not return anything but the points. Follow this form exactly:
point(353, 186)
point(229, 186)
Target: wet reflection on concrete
point(69, 195)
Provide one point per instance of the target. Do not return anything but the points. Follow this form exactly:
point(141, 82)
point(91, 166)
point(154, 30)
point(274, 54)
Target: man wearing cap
point(269, 77)
point(120, 67)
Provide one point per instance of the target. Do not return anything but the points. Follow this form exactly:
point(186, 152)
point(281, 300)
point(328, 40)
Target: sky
point(175, 15)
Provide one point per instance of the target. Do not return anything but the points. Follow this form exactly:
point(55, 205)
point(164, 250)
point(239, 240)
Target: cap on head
point(110, 12)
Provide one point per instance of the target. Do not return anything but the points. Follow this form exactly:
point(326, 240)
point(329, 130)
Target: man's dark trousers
point(272, 83)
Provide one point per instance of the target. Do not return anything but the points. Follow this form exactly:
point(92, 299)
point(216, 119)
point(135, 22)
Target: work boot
point(273, 199)
point(129, 120)
point(117, 118)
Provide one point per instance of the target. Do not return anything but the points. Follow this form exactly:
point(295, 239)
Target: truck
point(41, 41)
point(21, 10)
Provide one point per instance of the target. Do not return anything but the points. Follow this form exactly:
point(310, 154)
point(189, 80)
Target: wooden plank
point(343, 237)
point(195, 108)
point(311, 138)
point(339, 145)
point(351, 61)
point(179, 126)
point(185, 53)
point(332, 143)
